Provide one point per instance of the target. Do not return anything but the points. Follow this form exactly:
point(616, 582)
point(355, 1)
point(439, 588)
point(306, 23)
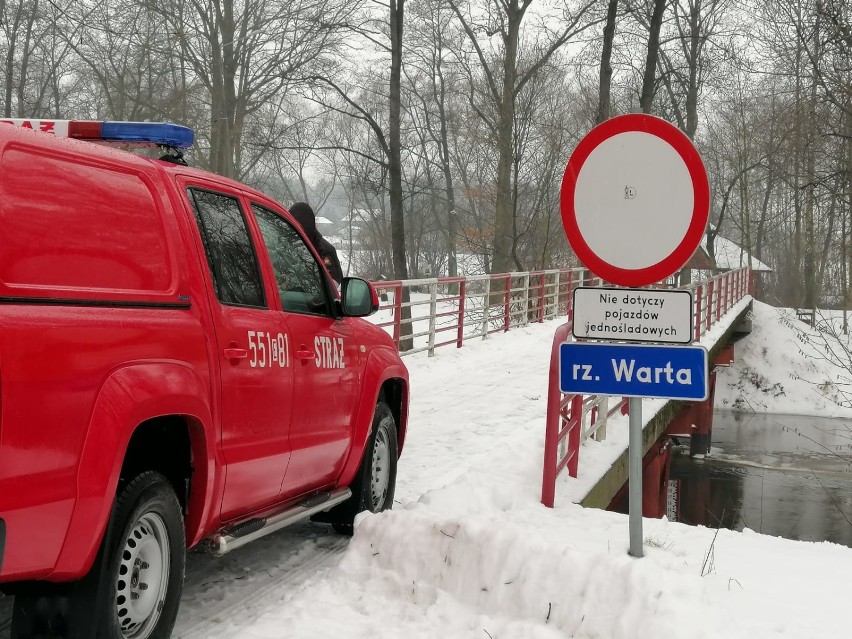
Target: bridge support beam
point(695, 420)
point(655, 479)
point(702, 426)
point(655, 482)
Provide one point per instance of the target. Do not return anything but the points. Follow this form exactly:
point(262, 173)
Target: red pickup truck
point(176, 368)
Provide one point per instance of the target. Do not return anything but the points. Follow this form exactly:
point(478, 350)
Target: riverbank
point(784, 366)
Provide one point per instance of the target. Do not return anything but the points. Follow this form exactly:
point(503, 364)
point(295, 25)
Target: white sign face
point(634, 200)
point(633, 315)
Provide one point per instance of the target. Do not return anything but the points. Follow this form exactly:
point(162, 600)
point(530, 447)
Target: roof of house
point(730, 255)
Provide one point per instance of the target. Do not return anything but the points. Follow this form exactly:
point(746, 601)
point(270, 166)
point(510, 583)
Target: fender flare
point(382, 364)
point(130, 395)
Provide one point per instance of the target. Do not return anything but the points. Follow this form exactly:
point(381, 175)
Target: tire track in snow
point(229, 592)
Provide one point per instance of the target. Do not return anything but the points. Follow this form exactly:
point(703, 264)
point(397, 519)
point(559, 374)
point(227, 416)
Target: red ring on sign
point(670, 134)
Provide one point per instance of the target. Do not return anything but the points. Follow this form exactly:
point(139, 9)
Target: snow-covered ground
point(469, 552)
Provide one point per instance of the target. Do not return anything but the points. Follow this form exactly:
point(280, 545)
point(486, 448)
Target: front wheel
point(375, 482)
point(133, 589)
point(145, 560)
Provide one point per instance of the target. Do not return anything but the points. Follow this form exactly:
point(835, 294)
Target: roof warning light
point(134, 133)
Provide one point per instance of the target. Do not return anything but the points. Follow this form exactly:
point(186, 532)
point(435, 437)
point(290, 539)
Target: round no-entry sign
point(635, 200)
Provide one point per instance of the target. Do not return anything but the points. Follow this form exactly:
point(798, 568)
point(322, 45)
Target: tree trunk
point(745, 215)
point(9, 70)
point(770, 184)
point(810, 264)
point(764, 213)
point(400, 265)
point(227, 143)
point(823, 255)
point(25, 61)
point(218, 107)
point(394, 141)
point(847, 257)
point(650, 77)
point(795, 290)
point(503, 213)
point(692, 87)
point(452, 218)
point(606, 65)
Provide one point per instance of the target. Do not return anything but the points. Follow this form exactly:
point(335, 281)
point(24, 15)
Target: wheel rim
point(143, 575)
point(380, 477)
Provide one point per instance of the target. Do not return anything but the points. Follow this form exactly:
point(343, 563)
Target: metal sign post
point(634, 476)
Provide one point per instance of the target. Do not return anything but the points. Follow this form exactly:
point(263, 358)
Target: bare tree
point(431, 84)
point(288, 158)
point(394, 151)
point(339, 97)
point(31, 57)
point(126, 61)
point(506, 73)
point(703, 43)
point(246, 54)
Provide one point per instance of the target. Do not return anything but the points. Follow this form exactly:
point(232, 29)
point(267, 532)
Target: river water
point(783, 475)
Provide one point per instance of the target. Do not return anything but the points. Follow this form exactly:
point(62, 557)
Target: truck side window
point(230, 254)
point(301, 282)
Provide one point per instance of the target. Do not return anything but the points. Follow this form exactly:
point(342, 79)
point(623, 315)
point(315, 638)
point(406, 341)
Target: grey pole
point(634, 476)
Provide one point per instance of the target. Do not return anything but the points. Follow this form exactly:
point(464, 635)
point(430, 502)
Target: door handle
point(235, 353)
point(304, 354)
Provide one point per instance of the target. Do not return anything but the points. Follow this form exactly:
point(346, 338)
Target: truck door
point(326, 366)
point(252, 341)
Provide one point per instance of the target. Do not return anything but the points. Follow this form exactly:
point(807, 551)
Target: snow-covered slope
point(785, 366)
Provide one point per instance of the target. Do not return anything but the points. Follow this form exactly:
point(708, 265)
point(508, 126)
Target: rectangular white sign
point(633, 315)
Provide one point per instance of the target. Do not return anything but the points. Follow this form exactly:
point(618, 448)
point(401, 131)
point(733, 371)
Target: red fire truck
point(177, 368)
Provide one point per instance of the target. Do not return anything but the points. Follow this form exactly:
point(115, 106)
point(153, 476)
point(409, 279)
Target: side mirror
point(358, 297)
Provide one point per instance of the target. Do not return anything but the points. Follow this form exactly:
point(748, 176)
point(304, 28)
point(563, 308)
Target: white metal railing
point(449, 310)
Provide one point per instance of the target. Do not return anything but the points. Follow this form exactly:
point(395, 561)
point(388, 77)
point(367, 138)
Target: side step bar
point(249, 531)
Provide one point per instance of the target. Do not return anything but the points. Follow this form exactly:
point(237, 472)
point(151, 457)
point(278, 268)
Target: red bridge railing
point(572, 419)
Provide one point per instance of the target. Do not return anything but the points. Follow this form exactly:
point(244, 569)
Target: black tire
point(143, 554)
point(375, 482)
point(144, 562)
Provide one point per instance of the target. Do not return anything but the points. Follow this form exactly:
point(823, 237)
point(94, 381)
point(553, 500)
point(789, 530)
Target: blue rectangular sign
point(634, 370)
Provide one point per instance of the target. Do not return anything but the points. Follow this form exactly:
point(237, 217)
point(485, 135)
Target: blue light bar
point(130, 133)
point(165, 133)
